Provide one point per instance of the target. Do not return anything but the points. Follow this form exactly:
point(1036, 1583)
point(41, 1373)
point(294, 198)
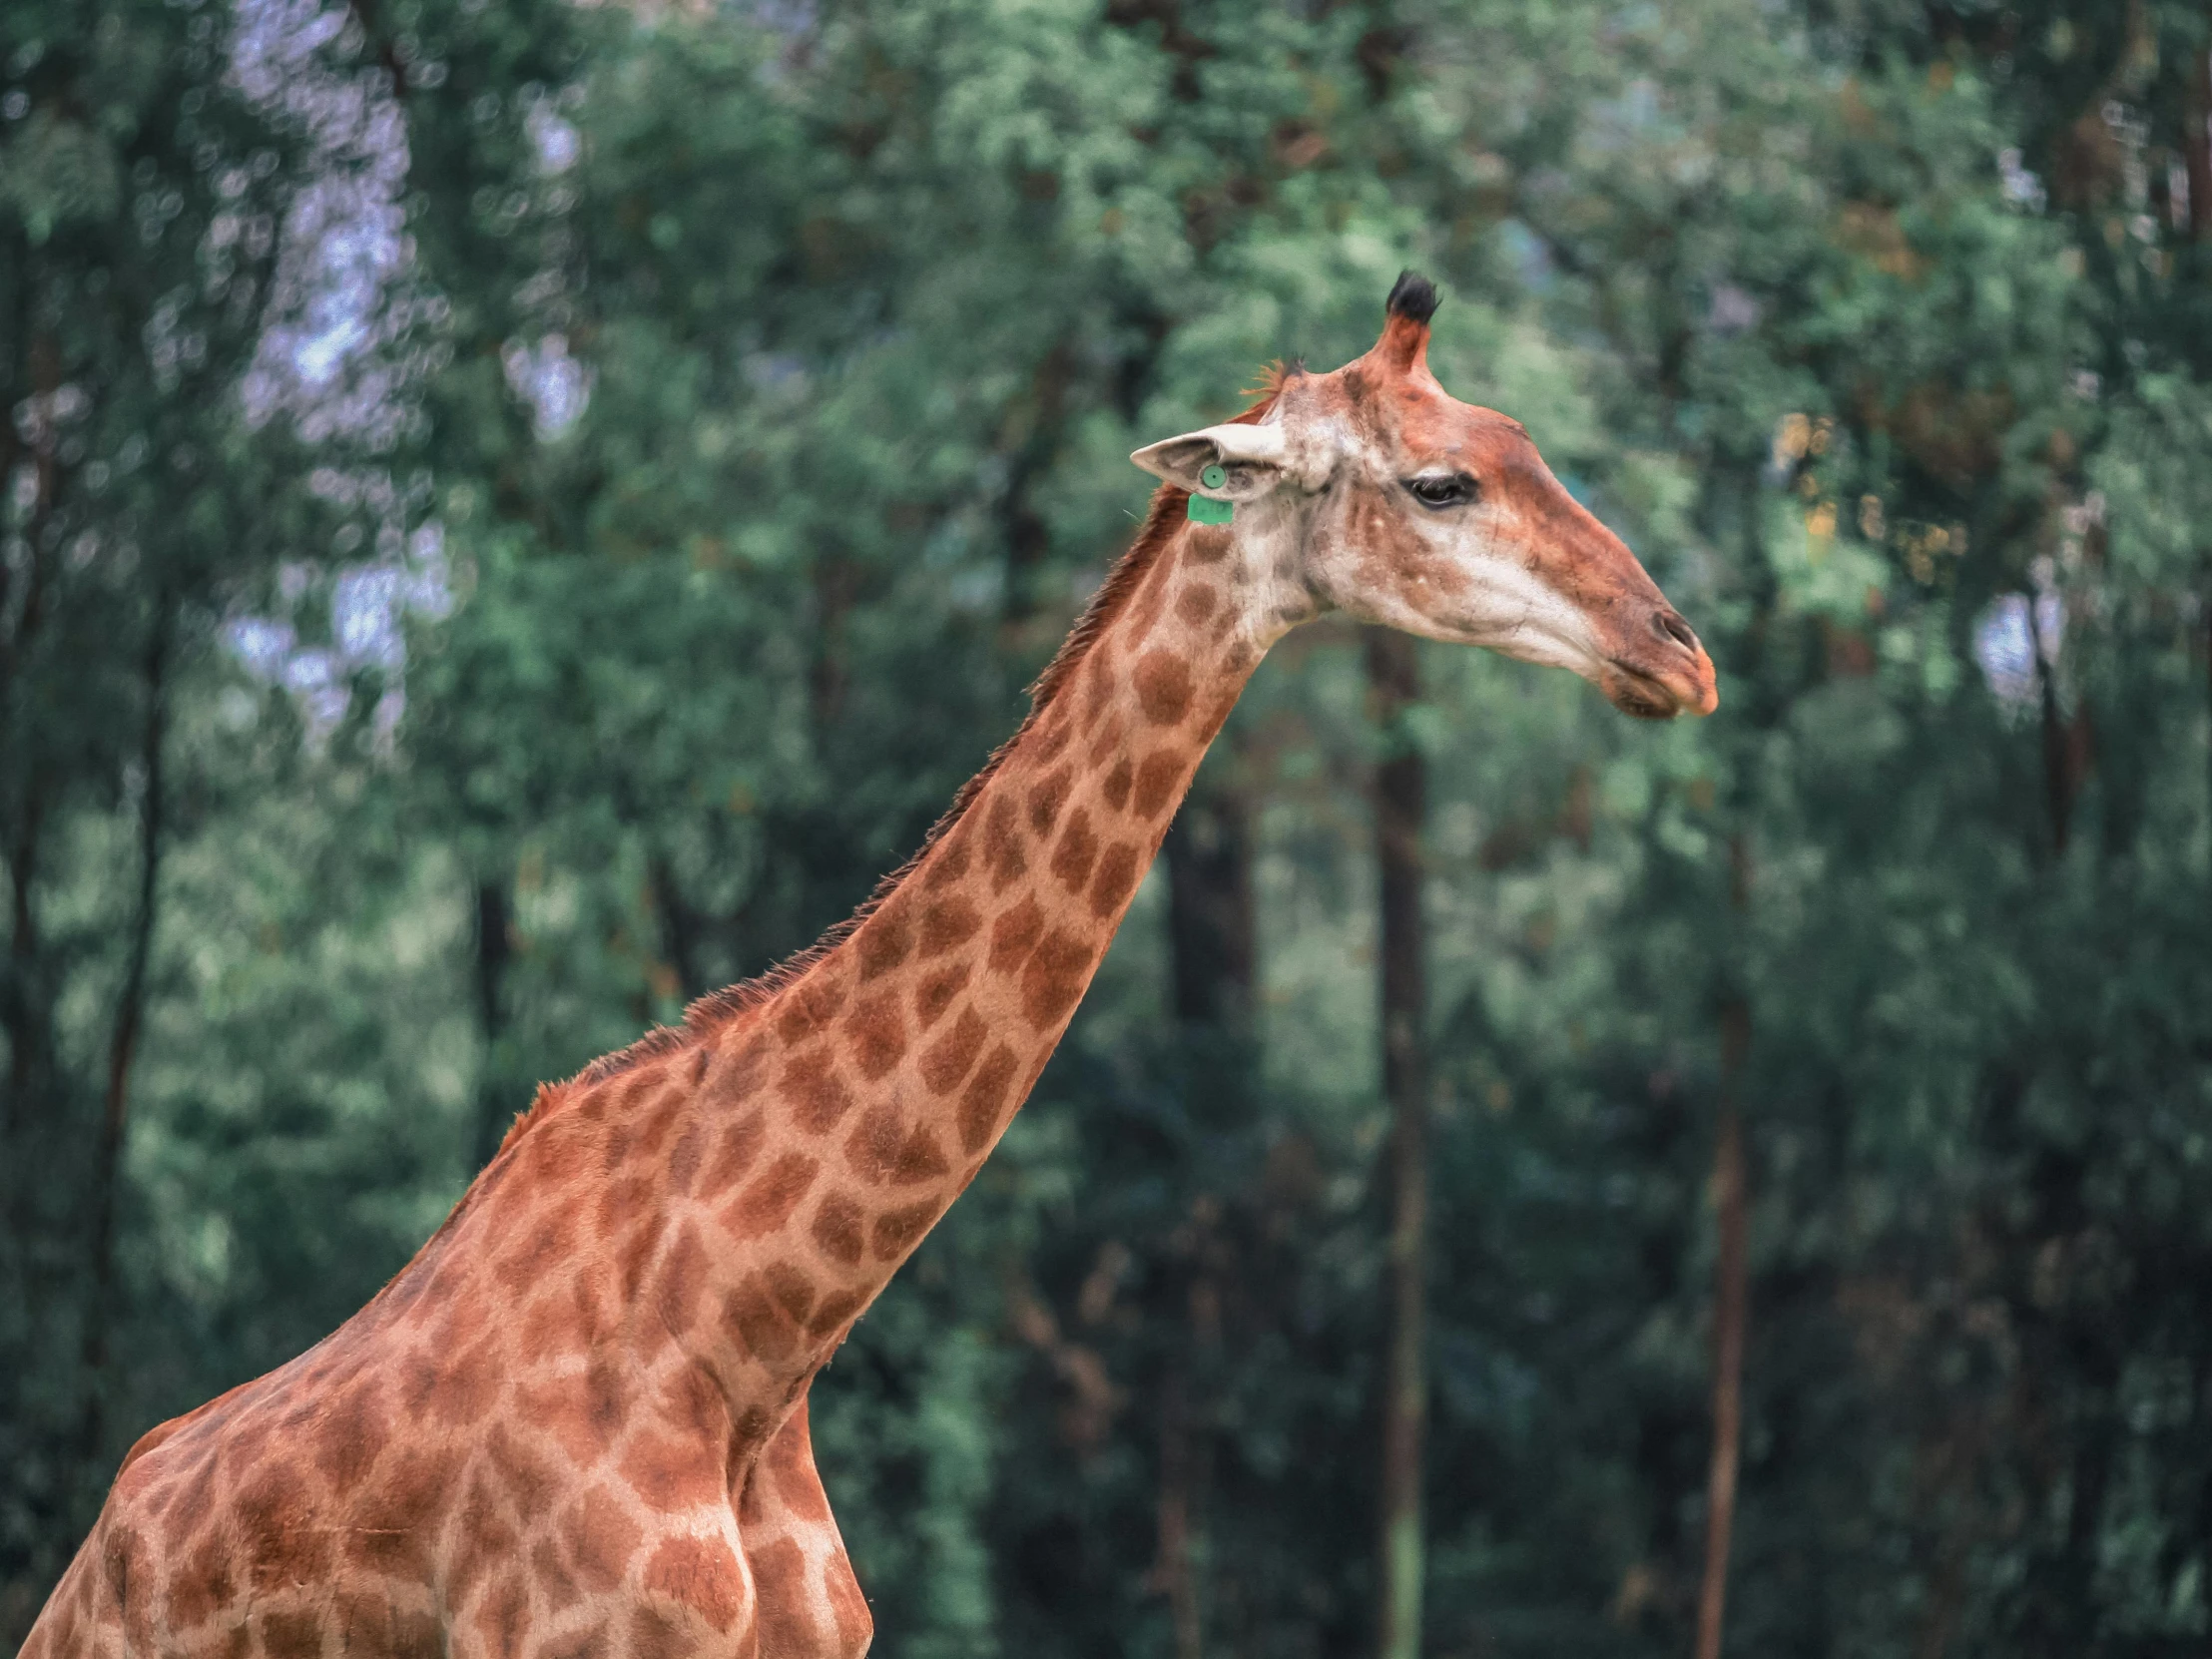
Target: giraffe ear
point(1250, 457)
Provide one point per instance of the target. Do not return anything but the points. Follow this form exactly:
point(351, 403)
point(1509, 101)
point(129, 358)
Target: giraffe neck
point(752, 1184)
point(900, 1056)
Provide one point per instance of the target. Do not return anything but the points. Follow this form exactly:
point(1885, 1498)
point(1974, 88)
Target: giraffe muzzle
point(1663, 674)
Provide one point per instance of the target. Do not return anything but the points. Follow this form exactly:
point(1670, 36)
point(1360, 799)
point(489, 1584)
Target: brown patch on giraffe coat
point(808, 1008)
point(1158, 779)
point(622, 1203)
point(818, 1094)
point(734, 1154)
point(556, 1158)
point(1014, 936)
point(526, 1261)
point(836, 1311)
point(1119, 870)
point(1197, 603)
point(555, 1582)
point(127, 1565)
point(692, 1404)
point(701, 1574)
point(290, 1633)
point(1004, 849)
point(682, 1278)
point(272, 1520)
point(836, 1229)
point(935, 993)
point(948, 860)
point(192, 1500)
point(1077, 848)
point(736, 1075)
point(885, 1149)
point(636, 1256)
point(982, 1099)
point(897, 1231)
point(1054, 980)
point(1098, 686)
point(667, 1117)
point(653, 1635)
point(366, 1621)
point(1206, 546)
point(672, 1472)
point(792, 1290)
point(684, 1159)
point(600, 1538)
point(780, 1574)
point(761, 1327)
point(639, 1086)
point(394, 1534)
point(591, 1642)
point(468, 1382)
point(355, 1426)
point(504, 1619)
point(1115, 790)
point(582, 1411)
point(1163, 686)
point(201, 1585)
point(769, 1202)
point(952, 1055)
point(1108, 743)
point(1046, 798)
point(884, 939)
point(946, 923)
point(529, 1482)
point(560, 1321)
point(1216, 716)
point(1049, 737)
point(482, 1540)
point(879, 1034)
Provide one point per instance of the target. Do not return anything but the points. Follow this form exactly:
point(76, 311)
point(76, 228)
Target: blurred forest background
point(517, 512)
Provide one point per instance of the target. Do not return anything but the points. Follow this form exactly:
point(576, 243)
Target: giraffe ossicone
point(576, 1422)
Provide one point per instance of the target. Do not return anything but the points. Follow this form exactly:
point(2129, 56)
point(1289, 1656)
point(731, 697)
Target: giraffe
point(576, 1424)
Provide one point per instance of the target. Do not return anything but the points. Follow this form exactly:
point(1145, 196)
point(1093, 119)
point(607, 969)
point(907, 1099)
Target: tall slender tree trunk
point(1728, 1313)
point(495, 1104)
point(27, 1007)
point(1211, 923)
point(2196, 145)
point(123, 1045)
point(1400, 804)
point(1213, 963)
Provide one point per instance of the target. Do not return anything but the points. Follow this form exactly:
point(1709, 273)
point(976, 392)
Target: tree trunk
point(1729, 1299)
point(2196, 145)
point(1400, 790)
point(1210, 937)
point(496, 1105)
point(123, 1045)
point(1177, 1567)
point(1210, 906)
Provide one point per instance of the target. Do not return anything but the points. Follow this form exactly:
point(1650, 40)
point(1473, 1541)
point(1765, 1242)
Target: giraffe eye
point(1450, 489)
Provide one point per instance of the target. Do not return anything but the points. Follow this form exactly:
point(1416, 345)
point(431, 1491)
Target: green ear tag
point(1204, 511)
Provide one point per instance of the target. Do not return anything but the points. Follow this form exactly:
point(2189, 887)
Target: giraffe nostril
point(1669, 625)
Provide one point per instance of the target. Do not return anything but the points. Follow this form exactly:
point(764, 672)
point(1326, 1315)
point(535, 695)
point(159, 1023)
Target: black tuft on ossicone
point(1413, 298)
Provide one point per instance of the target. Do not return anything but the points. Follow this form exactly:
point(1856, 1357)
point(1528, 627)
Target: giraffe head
point(1374, 491)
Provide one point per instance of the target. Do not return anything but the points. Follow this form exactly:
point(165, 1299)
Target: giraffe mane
point(713, 1014)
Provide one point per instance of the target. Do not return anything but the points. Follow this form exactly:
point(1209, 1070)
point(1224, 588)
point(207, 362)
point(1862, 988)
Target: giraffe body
point(576, 1424)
